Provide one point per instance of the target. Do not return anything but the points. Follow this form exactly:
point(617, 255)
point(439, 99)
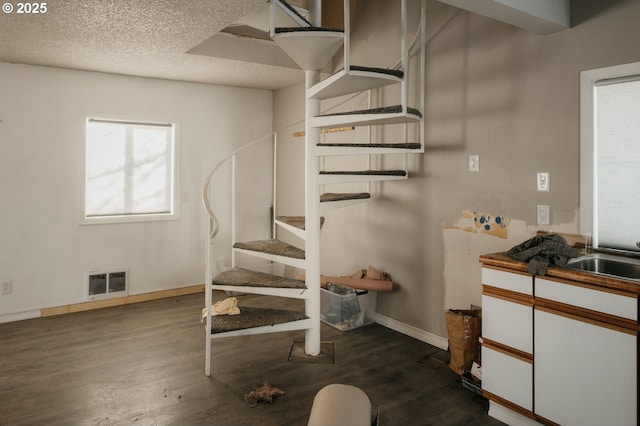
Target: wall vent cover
point(107, 284)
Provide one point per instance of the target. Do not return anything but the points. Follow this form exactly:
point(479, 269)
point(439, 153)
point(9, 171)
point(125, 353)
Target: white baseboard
point(19, 316)
point(409, 330)
point(509, 417)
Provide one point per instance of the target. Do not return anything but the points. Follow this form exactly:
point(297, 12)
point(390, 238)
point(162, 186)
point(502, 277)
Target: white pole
point(312, 220)
point(208, 276)
point(405, 55)
point(274, 146)
point(233, 210)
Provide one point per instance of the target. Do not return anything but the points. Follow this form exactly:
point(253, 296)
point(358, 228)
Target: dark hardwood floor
point(143, 364)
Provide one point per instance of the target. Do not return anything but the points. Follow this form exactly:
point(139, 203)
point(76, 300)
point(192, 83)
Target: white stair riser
point(344, 83)
point(363, 119)
point(304, 324)
point(326, 151)
point(293, 293)
point(296, 263)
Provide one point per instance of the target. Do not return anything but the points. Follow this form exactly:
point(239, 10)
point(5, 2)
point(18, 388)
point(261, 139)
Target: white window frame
point(588, 82)
point(132, 218)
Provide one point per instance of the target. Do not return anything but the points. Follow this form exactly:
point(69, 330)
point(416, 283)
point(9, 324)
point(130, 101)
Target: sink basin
point(606, 264)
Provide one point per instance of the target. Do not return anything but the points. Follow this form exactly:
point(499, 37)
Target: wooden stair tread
point(275, 247)
point(245, 278)
point(330, 196)
point(252, 317)
point(366, 172)
point(296, 221)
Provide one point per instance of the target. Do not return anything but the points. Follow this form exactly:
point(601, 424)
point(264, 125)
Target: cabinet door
point(508, 377)
point(507, 322)
point(585, 374)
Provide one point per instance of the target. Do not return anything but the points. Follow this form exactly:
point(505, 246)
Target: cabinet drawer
point(507, 377)
point(508, 323)
point(588, 298)
point(512, 281)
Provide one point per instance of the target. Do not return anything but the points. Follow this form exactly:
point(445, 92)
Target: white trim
point(588, 80)
point(156, 217)
point(411, 331)
point(509, 417)
point(19, 316)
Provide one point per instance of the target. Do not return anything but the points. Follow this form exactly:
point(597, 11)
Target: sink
point(607, 264)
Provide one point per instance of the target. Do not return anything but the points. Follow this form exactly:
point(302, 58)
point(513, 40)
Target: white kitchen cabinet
point(559, 349)
point(507, 333)
point(585, 372)
point(586, 353)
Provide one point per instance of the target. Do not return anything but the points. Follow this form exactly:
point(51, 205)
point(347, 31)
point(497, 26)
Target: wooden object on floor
point(118, 301)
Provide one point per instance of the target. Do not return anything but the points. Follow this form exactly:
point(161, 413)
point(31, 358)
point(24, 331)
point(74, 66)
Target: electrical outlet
point(7, 287)
point(543, 181)
point(543, 215)
point(474, 163)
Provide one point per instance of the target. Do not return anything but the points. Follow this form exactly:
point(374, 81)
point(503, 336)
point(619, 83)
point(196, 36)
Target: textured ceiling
point(147, 38)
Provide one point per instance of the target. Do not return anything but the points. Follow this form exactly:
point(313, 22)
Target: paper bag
point(463, 328)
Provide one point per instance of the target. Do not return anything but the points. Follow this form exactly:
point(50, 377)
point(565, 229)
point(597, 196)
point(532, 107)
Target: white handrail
point(206, 199)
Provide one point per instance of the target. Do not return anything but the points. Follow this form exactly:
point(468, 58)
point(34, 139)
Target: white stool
point(340, 405)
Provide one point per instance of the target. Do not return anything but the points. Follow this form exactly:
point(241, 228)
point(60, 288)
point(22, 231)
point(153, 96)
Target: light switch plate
point(543, 181)
point(474, 163)
point(543, 215)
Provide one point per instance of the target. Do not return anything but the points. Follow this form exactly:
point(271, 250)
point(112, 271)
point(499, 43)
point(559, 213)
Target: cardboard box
point(347, 311)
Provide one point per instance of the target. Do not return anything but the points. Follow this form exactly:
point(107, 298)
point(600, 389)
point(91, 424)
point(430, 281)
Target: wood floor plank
point(143, 364)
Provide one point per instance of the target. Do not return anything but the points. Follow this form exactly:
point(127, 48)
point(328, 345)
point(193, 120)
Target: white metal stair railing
point(303, 47)
point(351, 79)
point(283, 320)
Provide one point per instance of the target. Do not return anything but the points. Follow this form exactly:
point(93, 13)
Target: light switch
point(474, 163)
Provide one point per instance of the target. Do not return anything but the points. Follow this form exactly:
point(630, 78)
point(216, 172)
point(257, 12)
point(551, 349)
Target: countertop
point(502, 260)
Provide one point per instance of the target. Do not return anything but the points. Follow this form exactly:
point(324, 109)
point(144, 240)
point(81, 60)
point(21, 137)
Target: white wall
point(43, 248)
point(506, 94)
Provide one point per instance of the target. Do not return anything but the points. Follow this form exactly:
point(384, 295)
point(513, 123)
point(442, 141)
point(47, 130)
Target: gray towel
point(542, 251)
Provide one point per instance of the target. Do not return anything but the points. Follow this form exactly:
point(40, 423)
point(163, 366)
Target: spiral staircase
point(312, 48)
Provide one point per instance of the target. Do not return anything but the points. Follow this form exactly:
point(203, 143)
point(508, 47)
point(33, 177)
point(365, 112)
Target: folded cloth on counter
point(542, 251)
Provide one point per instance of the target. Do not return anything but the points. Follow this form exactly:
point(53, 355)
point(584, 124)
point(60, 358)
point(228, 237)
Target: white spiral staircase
point(312, 48)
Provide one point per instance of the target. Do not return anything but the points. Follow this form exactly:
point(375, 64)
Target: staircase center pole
point(312, 219)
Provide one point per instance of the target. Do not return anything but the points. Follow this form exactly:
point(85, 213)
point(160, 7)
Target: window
point(610, 157)
point(130, 171)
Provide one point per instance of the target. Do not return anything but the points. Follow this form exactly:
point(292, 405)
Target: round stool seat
point(337, 405)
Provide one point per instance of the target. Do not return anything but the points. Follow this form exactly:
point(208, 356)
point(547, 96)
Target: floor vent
point(107, 284)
